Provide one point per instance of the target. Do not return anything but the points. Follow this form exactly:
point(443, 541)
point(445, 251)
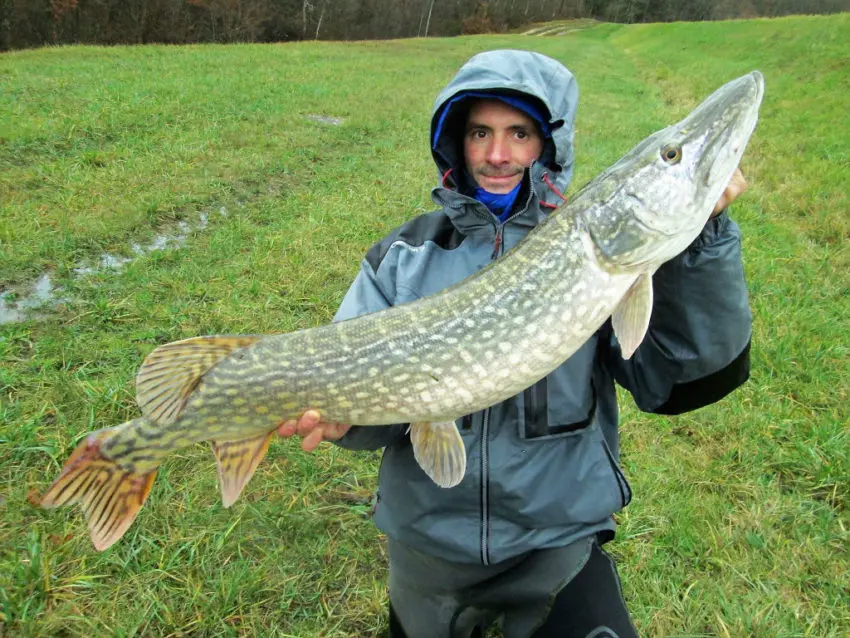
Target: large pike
point(430, 362)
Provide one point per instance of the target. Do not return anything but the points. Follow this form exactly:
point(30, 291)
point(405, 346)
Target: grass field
point(739, 526)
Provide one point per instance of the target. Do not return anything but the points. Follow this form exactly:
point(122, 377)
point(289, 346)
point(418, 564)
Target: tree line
point(31, 23)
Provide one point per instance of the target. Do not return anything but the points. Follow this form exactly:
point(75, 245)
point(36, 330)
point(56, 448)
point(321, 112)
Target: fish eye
point(671, 154)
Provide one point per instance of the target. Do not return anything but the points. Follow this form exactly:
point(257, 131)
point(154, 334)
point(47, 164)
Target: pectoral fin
point(237, 461)
point(631, 318)
point(439, 450)
point(171, 373)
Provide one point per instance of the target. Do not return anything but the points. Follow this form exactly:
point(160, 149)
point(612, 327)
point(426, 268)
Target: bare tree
point(321, 17)
point(428, 22)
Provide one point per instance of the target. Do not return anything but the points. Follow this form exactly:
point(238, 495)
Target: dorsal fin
point(172, 372)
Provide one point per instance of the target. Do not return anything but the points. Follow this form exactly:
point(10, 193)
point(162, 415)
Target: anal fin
point(237, 461)
point(111, 496)
point(439, 450)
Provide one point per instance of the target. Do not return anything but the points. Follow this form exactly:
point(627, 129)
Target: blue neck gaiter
point(500, 205)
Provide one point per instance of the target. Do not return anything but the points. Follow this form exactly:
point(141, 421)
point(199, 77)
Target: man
point(520, 537)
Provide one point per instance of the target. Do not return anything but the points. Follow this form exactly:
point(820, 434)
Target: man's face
point(499, 143)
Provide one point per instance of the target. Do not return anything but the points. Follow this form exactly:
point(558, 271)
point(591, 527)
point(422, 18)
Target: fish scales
point(432, 361)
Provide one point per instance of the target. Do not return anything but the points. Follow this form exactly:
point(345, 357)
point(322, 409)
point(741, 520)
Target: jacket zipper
point(497, 244)
point(500, 227)
point(485, 490)
point(485, 429)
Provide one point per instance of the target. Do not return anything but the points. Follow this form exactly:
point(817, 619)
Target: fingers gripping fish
point(432, 361)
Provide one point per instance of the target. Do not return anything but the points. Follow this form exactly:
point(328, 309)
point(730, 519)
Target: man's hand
point(312, 430)
point(737, 185)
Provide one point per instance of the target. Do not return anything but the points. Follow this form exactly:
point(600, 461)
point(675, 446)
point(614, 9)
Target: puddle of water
point(107, 261)
point(42, 292)
point(326, 119)
point(17, 306)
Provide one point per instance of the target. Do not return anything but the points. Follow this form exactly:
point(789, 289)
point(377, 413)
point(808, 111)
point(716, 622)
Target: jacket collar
point(471, 217)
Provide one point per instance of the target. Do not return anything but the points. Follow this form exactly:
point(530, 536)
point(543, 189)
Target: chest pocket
point(562, 403)
point(423, 270)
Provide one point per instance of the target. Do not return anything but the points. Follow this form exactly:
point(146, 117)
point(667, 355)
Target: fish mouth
point(727, 119)
point(714, 136)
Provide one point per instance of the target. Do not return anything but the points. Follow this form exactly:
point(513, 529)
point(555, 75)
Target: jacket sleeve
point(696, 350)
point(367, 294)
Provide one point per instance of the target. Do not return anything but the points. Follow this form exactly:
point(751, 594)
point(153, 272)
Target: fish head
point(655, 201)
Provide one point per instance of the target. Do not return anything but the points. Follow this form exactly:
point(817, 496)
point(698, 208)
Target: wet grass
point(739, 524)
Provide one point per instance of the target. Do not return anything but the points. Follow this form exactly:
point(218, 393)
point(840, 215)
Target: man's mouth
point(499, 175)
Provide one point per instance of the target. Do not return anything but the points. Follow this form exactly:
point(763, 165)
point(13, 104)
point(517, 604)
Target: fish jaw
point(649, 206)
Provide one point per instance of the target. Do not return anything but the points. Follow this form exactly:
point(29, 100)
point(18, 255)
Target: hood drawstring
point(445, 178)
point(552, 187)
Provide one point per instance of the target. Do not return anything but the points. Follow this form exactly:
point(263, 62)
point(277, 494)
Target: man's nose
point(498, 153)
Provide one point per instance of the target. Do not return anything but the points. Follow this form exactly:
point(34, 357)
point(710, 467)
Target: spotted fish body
point(434, 360)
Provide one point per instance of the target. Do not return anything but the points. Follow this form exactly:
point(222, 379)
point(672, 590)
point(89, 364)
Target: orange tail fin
point(111, 496)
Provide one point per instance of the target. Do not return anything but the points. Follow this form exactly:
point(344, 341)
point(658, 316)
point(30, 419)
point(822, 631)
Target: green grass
point(739, 525)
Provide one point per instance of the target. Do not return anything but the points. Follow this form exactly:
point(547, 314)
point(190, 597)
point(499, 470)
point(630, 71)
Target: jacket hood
point(509, 72)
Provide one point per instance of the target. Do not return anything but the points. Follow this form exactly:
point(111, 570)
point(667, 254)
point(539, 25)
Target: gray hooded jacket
point(542, 467)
